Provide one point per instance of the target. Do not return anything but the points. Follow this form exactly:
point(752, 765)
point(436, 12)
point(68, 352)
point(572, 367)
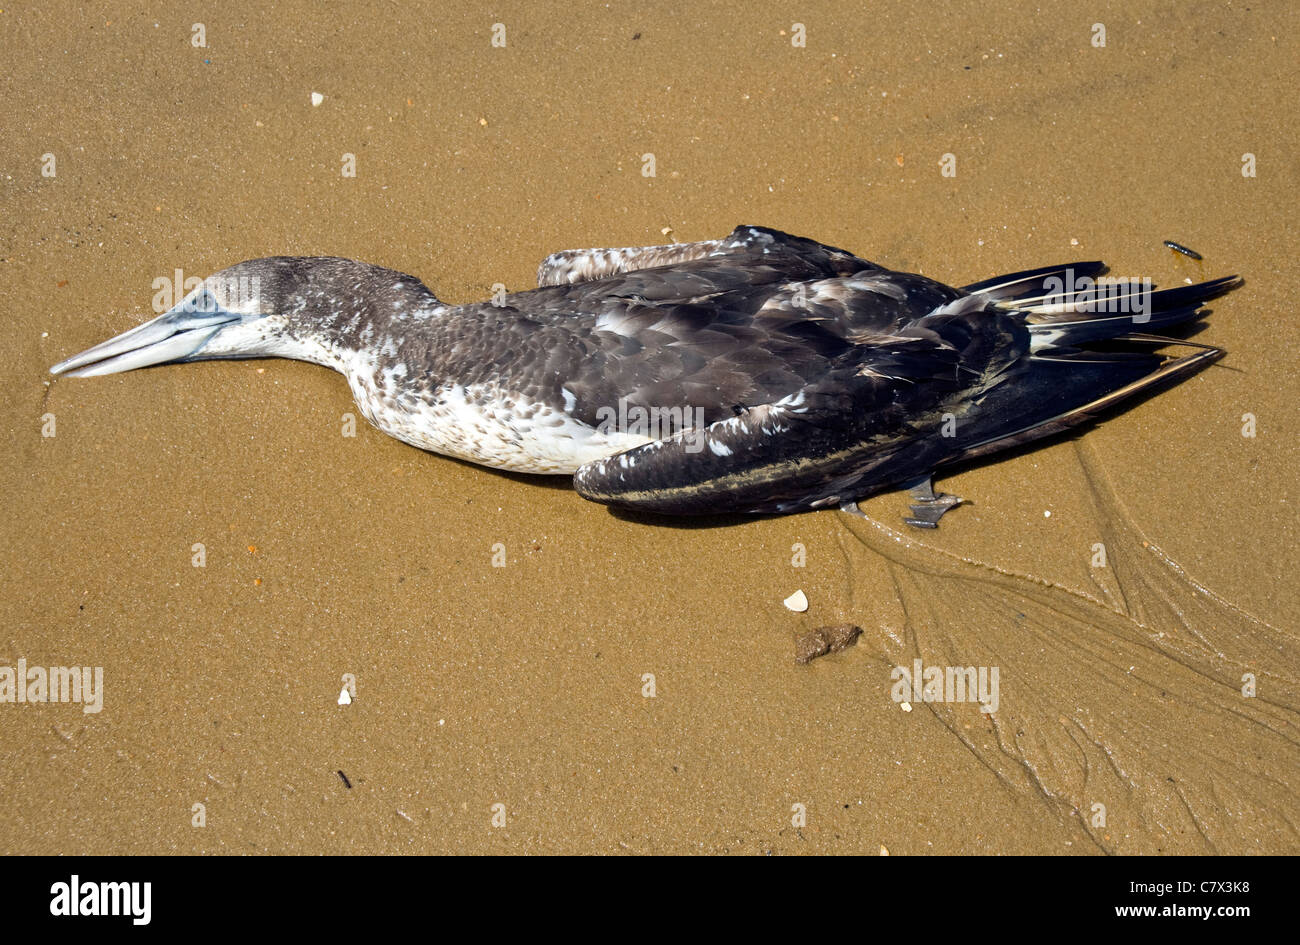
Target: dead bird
point(792, 375)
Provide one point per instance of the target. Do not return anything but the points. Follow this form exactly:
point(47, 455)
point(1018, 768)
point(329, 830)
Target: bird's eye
point(201, 301)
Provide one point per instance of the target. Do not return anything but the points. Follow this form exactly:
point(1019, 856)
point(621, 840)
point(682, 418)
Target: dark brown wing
point(759, 320)
point(805, 451)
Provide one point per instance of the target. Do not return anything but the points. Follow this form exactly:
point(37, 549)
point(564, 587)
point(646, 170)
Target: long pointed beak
point(173, 336)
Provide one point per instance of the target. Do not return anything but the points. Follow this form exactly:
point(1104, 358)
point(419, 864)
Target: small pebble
point(345, 697)
point(825, 640)
point(316, 99)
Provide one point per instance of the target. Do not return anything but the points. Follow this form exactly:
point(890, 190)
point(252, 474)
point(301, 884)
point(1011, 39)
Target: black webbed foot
point(928, 506)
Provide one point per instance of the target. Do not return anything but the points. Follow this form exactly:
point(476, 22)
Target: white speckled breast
point(483, 424)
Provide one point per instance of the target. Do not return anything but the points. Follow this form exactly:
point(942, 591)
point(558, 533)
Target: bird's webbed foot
point(927, 505)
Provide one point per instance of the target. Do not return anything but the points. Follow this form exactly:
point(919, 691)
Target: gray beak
point(173, 336)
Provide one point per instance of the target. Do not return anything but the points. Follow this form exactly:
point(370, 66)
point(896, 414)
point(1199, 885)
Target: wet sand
point(523, 686)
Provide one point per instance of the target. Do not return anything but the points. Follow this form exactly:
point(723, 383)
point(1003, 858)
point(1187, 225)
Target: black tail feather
point(1069, 305)
point(1061, 383)
point(1030, 283)
point(1062, 388)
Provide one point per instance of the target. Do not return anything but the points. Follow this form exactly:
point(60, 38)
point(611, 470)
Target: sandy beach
point(625, 684)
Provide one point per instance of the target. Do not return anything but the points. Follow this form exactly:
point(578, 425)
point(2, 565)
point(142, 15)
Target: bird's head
point(308, 308)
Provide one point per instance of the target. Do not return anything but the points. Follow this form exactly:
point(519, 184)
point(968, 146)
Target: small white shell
point(798, 602)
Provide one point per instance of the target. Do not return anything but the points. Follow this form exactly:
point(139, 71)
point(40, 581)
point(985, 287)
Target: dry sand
point(522, 686)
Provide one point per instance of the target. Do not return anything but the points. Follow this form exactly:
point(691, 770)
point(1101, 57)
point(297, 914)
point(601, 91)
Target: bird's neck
point(349, 341)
